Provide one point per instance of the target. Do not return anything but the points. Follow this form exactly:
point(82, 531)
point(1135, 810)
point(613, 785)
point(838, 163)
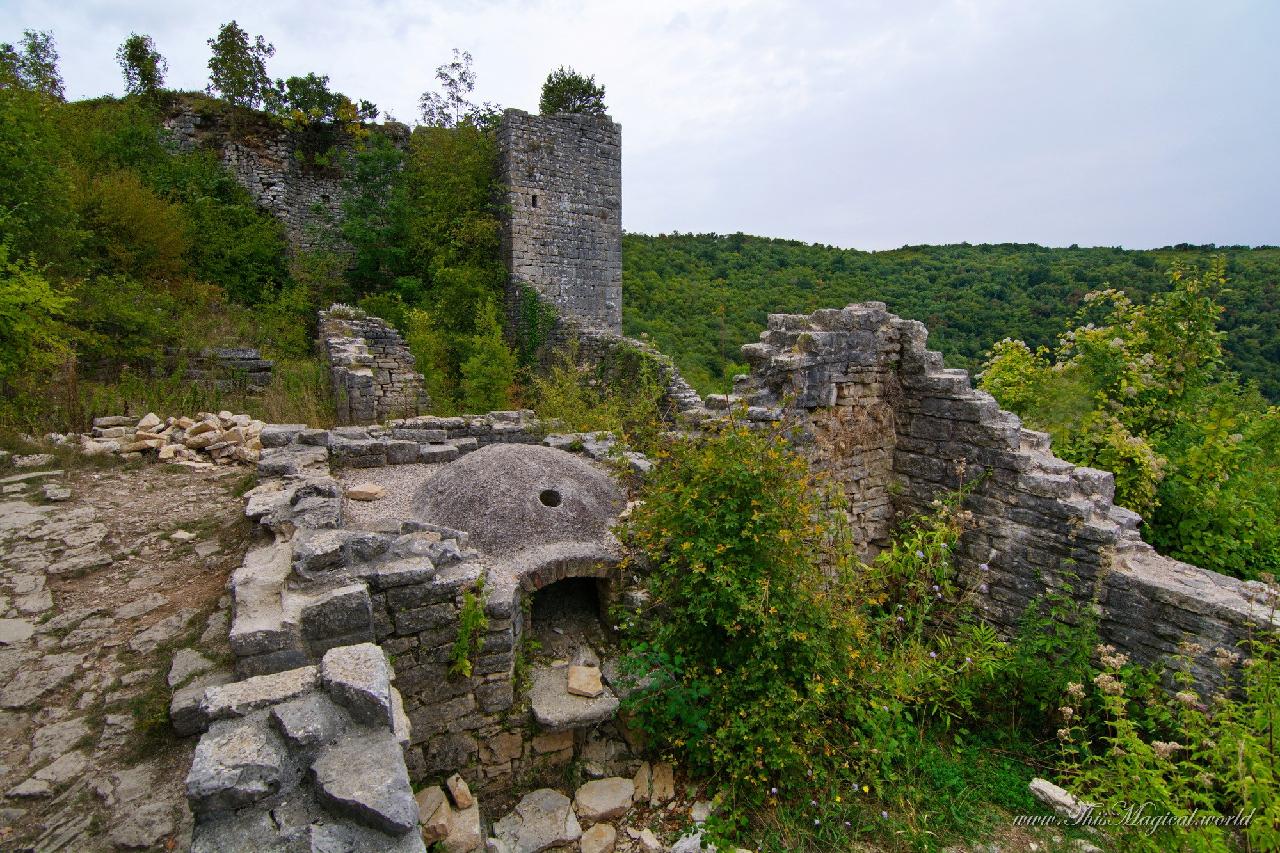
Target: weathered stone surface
point(140, 606)
point(187, 663)
point(141, 826)
point(585, 681)
point(555, 709)
point(185, 713)
point(238, 762)
point(244, 697)
point(600, 838)
point(364, 777)
point(464, 831)
point(55, 740)
point(146, 641)
point(434, 812)
point(542, 819)
point(662, 783)
point(308, 721)
point(1063, 803)
point(15, 631)
point(459, 791)
point(604, 799)
point(359, 678)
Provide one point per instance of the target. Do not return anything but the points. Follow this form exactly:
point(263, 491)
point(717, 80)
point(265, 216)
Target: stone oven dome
point(510, 497)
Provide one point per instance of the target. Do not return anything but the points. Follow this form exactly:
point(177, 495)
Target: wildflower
point(816, 822)
point(1225, 659)
point(983, 588)
point(1111, 658)
point(1186, 697)
point(919, 555)
point(813, 803)
point(866, 789)
point(773, 791)
point(986, 567)
point(884, 815)
point(933, 655)
point(936, 587)
point(1064, 735)
point(900, 619)
point(1067, 712)
point(1108, 684)
point(968, 659)
point(1164, 749)
point(1075, 690)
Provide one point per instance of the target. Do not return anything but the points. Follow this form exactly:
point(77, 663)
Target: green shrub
point(490, 370)
point(1178, 755)
point(32, 336)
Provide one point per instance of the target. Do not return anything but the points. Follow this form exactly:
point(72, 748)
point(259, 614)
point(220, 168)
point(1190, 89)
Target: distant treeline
point(701, 296)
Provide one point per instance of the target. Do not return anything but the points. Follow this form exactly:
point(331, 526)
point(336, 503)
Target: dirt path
point(104, 597)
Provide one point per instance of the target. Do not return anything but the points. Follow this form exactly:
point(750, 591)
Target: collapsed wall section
point(372, 373)
point(1040, 524)
point(562, 234)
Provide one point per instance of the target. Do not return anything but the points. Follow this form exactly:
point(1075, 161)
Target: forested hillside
point(700, 297)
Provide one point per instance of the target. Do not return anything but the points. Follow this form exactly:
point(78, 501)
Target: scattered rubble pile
point(223, 438)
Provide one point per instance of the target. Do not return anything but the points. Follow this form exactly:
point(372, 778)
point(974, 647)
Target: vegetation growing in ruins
point(1143, 391)
point(833, 703)
point(567, 91)
point(472, 624)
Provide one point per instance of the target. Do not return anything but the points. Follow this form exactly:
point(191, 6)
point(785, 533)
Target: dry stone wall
point(563, 230)
point(871, 403)
point(372, 372)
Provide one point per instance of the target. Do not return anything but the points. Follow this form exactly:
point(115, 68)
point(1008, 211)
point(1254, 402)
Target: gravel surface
point(401, 483)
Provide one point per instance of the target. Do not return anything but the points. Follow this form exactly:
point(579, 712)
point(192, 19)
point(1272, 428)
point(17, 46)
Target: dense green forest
point(701, 296)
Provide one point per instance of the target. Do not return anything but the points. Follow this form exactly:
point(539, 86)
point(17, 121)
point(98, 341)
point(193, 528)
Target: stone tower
point(563, 234)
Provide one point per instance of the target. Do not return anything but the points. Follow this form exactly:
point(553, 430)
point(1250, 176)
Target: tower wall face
point(563, 234)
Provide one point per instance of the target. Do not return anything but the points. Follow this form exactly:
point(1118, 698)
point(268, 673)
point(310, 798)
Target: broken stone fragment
point(662, 783)
point(363, 776)
point(15, 631)
point(149, 421)
point(600, 838)
point(55, 493)
point(542, 819)
point(186, 663)
point(585, 681)
point(236, 763)
point(459, 791)
point(358, 678)
point(307, 721)
point(365, 492)
point(435, 814)
point(604, 799)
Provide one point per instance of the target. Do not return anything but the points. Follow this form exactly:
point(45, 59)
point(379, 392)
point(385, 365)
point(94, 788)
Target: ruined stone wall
point(228, 367)
point(607, 351)
point(872, 403)
point(264, 160)
point(563, 230)
point(373, 374)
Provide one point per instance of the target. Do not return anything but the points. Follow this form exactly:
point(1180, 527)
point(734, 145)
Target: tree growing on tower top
point(567, 91)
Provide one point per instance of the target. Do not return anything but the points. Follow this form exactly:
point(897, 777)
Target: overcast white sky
point(861, 124)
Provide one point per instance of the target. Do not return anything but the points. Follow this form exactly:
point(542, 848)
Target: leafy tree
point(567, 91)
point(238, 67)
point(319, 116)
point(143, 66)
point(35, 187)
point(304, 101)
point(32, 337)
point(490, 371)
point(35, 67)
point(452, 106)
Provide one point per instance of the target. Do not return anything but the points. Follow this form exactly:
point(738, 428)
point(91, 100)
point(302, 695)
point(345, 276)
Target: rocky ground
point(111, 574)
